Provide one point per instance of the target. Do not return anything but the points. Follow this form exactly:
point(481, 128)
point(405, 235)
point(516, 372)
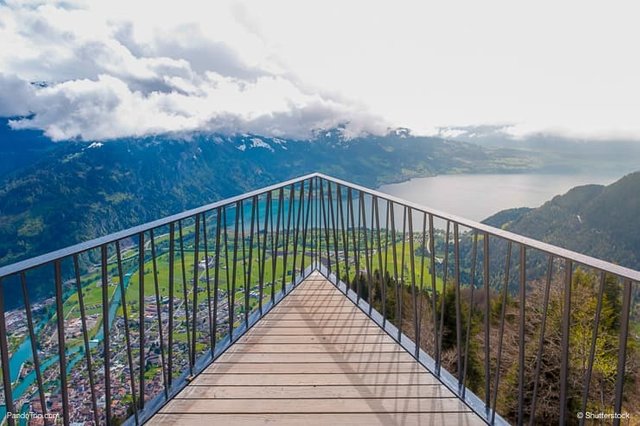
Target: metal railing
point(540, 335)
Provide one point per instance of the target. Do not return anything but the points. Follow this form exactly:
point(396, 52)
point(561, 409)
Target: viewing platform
point(316, 358)
point(317, 301)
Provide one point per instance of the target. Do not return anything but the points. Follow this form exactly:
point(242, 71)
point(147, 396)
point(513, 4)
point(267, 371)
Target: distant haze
point(100, 70)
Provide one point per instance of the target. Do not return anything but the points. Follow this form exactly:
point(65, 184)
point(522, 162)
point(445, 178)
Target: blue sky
point(283, 68)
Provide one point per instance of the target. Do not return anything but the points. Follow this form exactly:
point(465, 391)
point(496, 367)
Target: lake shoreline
point(477, 196)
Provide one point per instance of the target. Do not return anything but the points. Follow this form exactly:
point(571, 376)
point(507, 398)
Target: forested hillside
point(601, 221)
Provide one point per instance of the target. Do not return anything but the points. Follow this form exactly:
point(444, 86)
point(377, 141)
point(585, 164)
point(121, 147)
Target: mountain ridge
point(78, 190)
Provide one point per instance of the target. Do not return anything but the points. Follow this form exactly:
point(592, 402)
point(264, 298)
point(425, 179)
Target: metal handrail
point(328, 224)
point(507, 235)
point(34, 262)
point(583, 259)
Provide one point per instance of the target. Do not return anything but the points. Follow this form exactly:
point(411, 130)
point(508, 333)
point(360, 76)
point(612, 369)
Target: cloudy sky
point(99, 70)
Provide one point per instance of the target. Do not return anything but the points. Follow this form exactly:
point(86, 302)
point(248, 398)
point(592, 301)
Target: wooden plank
point(356, 323)
point(316, 357)
point(316, 306)
point(313, 379)
point(324, 368)
point(314, 294)
point(320, 309)
point(436, 419)
point(311, 406)
point(303, 340)
point(240, 347)
point(317, 301)
point(284, 330)
point(327, 317)
point(292, 392)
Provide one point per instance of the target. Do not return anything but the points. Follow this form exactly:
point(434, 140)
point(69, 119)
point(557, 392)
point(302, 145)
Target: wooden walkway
point(315, 359)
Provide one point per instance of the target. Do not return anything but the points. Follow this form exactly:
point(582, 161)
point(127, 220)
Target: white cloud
point(284, 67)
point(110, 76)
point(14, 95)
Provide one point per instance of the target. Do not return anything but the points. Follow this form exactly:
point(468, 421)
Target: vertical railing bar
point(263, 261)
point(566, 320)
point(541, 342)
point(445, 271)
point(377, 208)
point(306, 226)
point(487, 319)
point(141, 354)
point(592, 349)
point(358, 230)
point(185, 296)
point(245, 280)
point(326, 227)
point(274, 250)
point(216, 280)
point(194, 309)
point(249, 268)
point(474, 255)
point(285, 260)
point(402, 267)
point(318, 233)
point(158, 311)
point(297, 230)
point(366, 245)
point(354, 238)
point(232, 307)
point(172, 253)
point(207, 276)
point(386, 264)
point(521, 355)
point(345, 239)
point(370, 266)
point(432, 268)
point(456, 261)
point(622, 350)
point(259, 251)
point(334, 232)
point(505, 291)
point(126, 329)
point(4, 354)
point(394, 255)
point(412, 263)
point(421, 290)
point(226, 262)
point(34, 349)
point(106, 338)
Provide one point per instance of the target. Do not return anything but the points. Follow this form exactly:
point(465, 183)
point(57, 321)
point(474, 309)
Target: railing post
point(566, 324)
point(34, 350)
point(4, 354)
point(523, 291)
point(622, 349)
point(61, 339)
point(105, 331)
point(171, 302)
point(141, 360)
point(126, 331)
point(487, 320)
